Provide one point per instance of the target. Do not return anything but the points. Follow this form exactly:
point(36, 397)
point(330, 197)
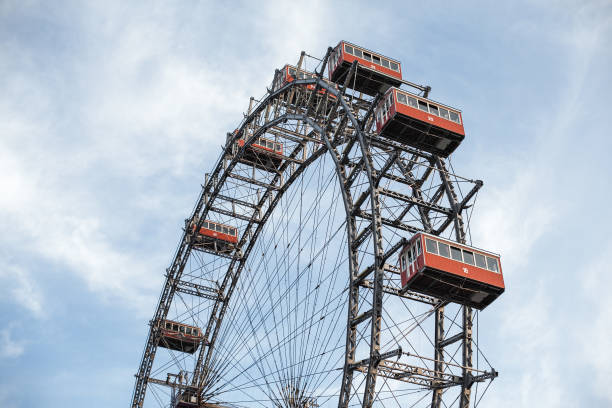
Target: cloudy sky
point(111, 113)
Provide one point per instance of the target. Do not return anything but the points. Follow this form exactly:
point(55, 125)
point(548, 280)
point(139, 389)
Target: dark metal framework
point(388, 190)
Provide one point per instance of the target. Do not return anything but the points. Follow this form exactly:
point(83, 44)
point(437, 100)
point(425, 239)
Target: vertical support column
point(370, 386)
point(466, 388)
point(436, 398)
point(467, 311)
point(353, 305)
point(379, 274)
point(376, 314)
point(351, 335)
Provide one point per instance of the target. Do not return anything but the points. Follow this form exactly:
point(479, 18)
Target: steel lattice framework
point(388, 191)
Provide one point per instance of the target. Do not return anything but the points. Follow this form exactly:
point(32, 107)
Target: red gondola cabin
point(375, 72)
point(289, 73)
point(324, 100)
point(451, 271)
point(419, 122)
point(186, 399)
point(215, 236)
point(265, 154)
point(179, 336)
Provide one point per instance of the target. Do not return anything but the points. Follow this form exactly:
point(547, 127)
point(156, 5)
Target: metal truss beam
point(389, 253)
point(391, 223)
point(253, 181)
point(195, 289)
point(414, 200)
point(416, 375)
point(236, 215)
point(408, 295)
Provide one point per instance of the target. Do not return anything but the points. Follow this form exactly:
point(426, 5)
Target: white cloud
point(19, 286)
point(62, 225)
point(512, 216)
point(9, 348)
point(128, 104)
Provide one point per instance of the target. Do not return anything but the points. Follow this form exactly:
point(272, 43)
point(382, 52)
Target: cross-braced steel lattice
point(306, 309)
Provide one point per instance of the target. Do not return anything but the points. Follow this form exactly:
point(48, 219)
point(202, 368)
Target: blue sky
point(110, 113)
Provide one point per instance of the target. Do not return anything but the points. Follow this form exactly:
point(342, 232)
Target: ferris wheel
point(326, 260)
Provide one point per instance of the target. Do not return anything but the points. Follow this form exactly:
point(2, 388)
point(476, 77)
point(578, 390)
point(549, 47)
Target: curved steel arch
point(207, 200)
point(353, 266)
point(331, 131)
